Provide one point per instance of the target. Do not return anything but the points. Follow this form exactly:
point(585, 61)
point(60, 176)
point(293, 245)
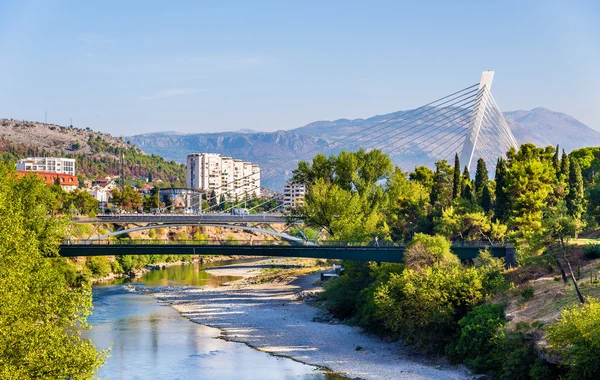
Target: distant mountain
point(269, 149)
point(544, 127)
point(278, 152)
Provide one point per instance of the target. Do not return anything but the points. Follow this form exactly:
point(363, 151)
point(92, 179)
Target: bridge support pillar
point(485, 86)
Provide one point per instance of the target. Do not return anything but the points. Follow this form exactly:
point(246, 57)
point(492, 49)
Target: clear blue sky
point(128, 67)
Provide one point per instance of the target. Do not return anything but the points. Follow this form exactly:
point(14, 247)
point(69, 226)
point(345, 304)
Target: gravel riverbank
point(274, 318)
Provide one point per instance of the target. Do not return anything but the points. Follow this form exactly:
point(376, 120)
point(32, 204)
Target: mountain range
point(277, 152)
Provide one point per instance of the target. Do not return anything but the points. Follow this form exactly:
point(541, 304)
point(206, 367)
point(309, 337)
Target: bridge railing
point(324, 243)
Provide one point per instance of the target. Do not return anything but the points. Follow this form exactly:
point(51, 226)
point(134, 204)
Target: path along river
point(152, 341)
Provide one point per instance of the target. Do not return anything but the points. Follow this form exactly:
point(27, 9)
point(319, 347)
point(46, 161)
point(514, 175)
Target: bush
point(576, 338)
point(424, 307)
point(343, 294)
point(99, 266)
point(476, 342)
point(591, 251)
point(426, 250)
point(527, 293)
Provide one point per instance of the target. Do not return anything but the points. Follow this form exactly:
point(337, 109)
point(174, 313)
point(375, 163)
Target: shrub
point(99, 266)
point(576, 338)
point(477, 339)
point(424, 307)
point(591, 251)
point(426, 250)
point(343, 294)
point(527, 293)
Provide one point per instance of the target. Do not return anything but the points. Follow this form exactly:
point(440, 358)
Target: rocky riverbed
point(278, 317)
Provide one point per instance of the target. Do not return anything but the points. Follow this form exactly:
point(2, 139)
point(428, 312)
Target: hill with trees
point(97, 154)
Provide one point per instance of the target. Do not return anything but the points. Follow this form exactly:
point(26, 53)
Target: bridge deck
point(185, 218)
point(343, 250)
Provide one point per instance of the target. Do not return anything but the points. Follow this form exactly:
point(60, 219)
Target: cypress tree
point(486, 199)
point(467, 192)
point(481, 176)
point(564, 165)
point(556, 162)
point(502, 207)
point(456, 180)
point(575, 197)
point(467, 189)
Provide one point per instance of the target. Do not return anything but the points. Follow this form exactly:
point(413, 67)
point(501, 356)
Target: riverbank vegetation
point(538, 200)
point(44, 301)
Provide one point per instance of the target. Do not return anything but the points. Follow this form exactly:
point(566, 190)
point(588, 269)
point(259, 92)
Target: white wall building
point(226, 176)
point(47, 164)
point(293, 195)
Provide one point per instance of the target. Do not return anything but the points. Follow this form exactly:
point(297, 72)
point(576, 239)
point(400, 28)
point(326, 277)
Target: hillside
point(277, 152)
point(97, 153)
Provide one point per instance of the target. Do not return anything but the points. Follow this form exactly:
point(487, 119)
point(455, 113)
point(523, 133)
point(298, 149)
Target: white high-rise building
point(232, 178)
point(293, 195)
point(204, 172)
point(48, 164)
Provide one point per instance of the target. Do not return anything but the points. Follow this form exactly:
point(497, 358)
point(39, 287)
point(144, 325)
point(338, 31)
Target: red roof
point(50, 177)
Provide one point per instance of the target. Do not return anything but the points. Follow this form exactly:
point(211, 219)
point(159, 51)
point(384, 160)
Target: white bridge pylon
point(489, 135)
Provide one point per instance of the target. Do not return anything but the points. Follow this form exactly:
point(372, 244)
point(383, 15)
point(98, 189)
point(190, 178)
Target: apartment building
point(293, 195)
point(48, 165)
point(226, 176)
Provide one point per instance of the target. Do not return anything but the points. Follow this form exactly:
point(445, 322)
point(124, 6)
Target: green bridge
point(344, 250)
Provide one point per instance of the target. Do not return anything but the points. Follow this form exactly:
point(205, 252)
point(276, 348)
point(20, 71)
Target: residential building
point(226, 176)
point(204, 172)
point(67, 182)
point(100, 194)
point(293, 195)
point(47, 164)
point(177, 198)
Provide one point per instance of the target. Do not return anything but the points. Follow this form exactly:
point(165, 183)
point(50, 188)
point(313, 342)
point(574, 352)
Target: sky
point(132, 67)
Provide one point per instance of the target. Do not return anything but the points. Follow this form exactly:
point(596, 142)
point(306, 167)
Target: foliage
point(591, 251)
point(44, 302)
point(105, 160)
point(423, 307)
point(99, 266)
point(576, 338)
point(477, 338)
point(425, 251)
point(575, 198)
point(128, 199)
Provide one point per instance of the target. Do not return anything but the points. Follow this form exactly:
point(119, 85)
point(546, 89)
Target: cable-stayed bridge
point(467, 122)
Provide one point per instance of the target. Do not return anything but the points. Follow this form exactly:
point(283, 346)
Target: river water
point(152, 341)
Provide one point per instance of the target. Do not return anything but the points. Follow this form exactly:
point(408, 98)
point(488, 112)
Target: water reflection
point(151, 341)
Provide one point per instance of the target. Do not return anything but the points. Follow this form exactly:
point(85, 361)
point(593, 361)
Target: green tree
point(575, 337)
point(456, 183)
point(481, 177)
point(43, 307)
point(502, 206)
point(564, 165)
point(486, 199)
point(556, 162)
point(84, 202)
point(575, 197)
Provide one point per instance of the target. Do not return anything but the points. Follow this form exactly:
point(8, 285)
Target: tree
point(564, 165)
point(575, 338)
point(486, 199)
point(44, 303)
point(575, 197)
point(481, 177)
point(456, 185)
point(84, 202)
point(556, 162)
point(502, 206)
point(441, 191)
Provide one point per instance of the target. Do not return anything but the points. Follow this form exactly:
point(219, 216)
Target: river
point(152, 341)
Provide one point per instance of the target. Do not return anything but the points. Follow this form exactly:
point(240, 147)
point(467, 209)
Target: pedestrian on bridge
point(376, 241)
